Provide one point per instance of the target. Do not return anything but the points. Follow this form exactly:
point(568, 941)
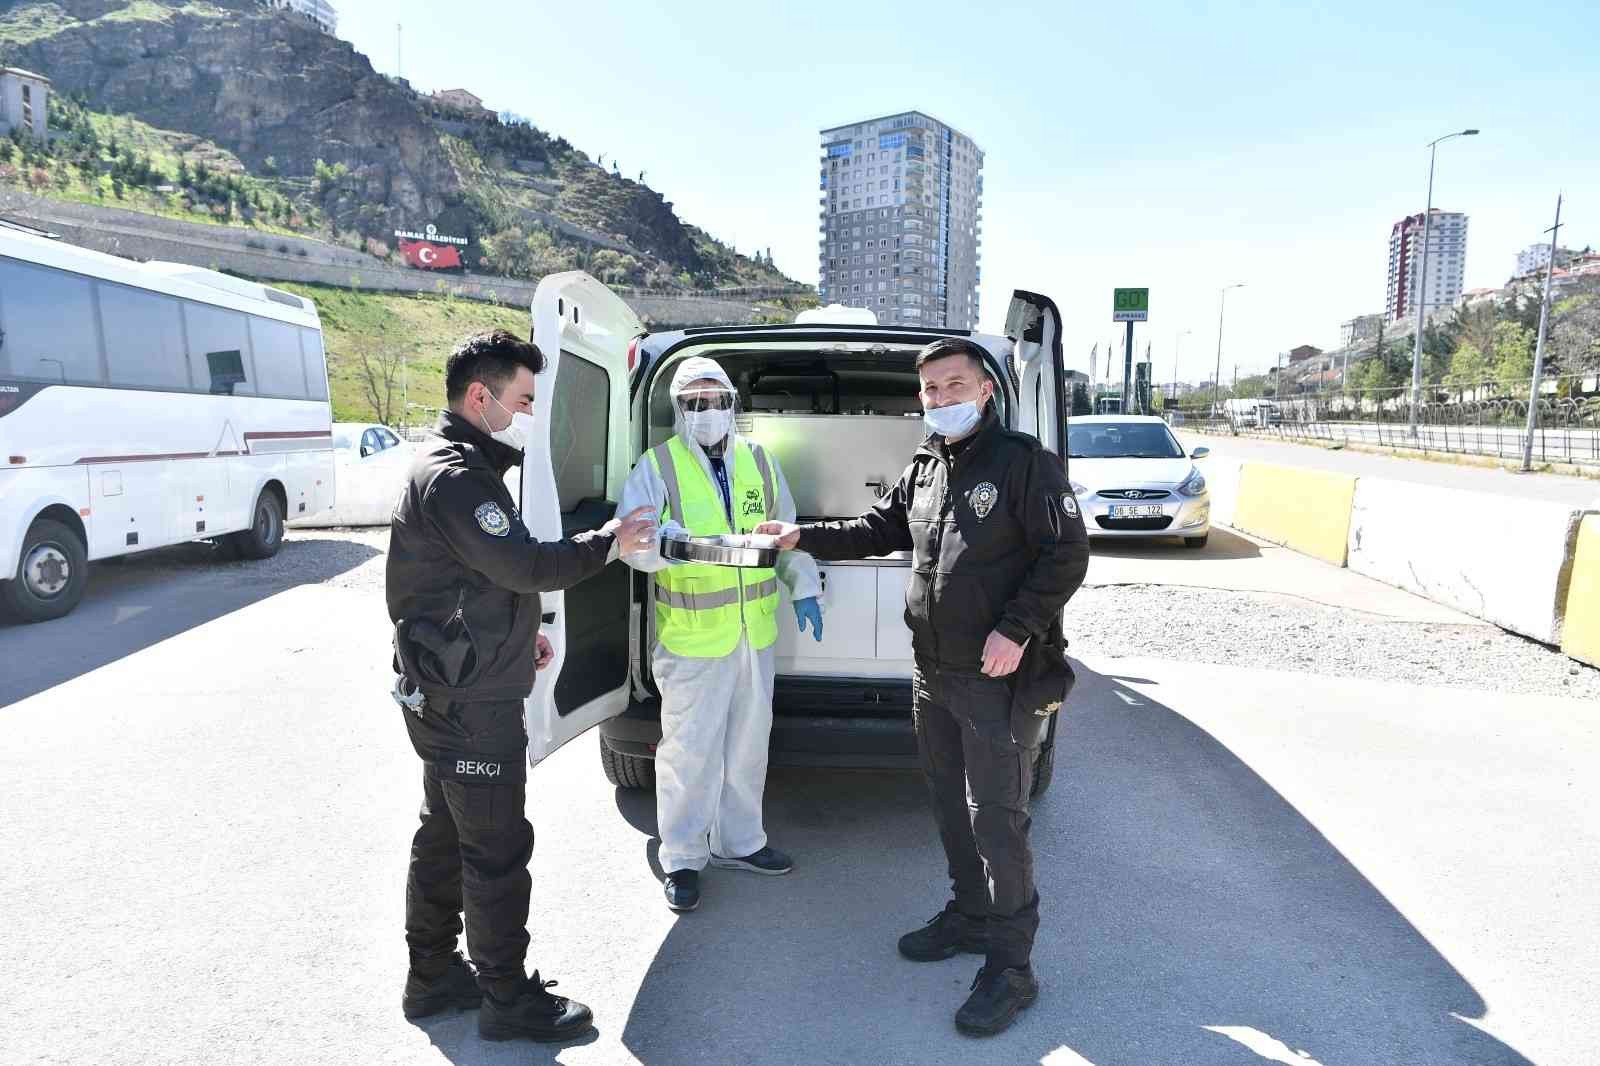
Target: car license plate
point(1136, 510)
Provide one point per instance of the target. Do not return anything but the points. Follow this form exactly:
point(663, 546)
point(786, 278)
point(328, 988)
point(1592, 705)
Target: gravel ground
point(1285, 633)
point(1161, 622)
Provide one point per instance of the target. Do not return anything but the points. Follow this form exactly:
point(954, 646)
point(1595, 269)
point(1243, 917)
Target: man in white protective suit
point(715, 631)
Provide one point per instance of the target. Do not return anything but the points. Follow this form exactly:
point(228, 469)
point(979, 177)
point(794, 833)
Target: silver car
point(1133, 479)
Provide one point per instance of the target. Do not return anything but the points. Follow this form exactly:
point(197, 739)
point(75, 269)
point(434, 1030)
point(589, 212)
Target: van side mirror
point(366, 450)
point(1200, 453)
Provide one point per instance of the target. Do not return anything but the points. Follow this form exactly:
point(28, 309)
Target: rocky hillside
point(363, 154)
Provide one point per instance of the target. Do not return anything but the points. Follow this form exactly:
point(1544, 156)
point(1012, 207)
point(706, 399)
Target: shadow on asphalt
point(1221, 544)
point(1190, 915)
point(141, 600)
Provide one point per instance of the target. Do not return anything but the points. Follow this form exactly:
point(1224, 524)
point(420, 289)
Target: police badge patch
point(983, 499)
point(1069, 504)
point(492, 520)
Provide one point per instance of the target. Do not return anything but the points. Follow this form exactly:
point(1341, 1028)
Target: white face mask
point(515, 434)
point(708, 427)
point(956, 421)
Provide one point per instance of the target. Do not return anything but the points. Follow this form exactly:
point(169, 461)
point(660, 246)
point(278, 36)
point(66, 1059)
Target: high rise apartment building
point(902, 220)
point(1447, 263)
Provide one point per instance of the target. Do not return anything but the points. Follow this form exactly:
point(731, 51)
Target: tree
point(1469, 367)
point(1513, 353)
point(380, 380)
point(1573, 345)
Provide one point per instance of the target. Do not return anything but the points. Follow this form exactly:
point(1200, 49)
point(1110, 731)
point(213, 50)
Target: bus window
point(144, 338)
point(279, 370)
point(316, 367)
point(219, 361)
point(49, 327)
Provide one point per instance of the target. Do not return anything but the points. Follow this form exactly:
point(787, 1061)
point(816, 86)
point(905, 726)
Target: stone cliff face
point(262, 84)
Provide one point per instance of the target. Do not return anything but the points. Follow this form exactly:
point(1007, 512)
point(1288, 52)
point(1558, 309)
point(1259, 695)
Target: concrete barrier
point(1222, 481)
point(1505, 560)
point(1307, 510)
point(1580, 629)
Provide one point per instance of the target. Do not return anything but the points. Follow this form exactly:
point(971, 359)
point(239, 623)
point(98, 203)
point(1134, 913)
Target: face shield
point(705, 404)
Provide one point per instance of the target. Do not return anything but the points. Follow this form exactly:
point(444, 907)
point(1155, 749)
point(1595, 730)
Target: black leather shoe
point(998, 996)
point(682, 888)
point(947, 933)
point(768, 860)
point(533, 1014)
point(456, 987)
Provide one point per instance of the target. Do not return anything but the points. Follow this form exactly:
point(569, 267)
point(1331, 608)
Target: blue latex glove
point(809, 609)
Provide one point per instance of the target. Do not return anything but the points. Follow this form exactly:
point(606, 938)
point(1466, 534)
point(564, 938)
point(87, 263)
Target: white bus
point(147, 404)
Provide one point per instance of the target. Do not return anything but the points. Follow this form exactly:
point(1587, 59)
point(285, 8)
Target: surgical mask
point(515, 434)
point(708, 427)
point(957, 420)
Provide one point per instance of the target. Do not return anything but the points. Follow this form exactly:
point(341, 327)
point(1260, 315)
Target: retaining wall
point(1580, 632)
point(1307, 510)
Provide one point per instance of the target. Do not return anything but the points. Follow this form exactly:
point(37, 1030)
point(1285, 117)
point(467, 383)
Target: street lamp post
point(1177, 343)
point(1422, 278)
point(1216, 381)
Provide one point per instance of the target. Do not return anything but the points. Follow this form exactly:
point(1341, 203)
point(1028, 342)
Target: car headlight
point(1195, 485)
point(1077, 489)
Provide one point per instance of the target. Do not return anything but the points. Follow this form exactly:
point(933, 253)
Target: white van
point(838, 404)
point(147, 404)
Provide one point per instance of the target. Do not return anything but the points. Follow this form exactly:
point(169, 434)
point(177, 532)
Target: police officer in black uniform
point(998, 549)
point(463, 584)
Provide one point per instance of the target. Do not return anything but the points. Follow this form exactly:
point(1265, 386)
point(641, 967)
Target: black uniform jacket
point(997, 545)
point(465, 575)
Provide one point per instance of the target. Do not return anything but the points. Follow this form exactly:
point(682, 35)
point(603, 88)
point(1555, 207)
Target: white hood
point(1097, 474)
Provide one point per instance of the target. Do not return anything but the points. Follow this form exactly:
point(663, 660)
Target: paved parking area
point(208, 820)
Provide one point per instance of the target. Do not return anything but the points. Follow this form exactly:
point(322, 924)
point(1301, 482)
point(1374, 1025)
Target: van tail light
point(633, 353)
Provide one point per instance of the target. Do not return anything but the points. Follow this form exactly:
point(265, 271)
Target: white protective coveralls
point(716, 713)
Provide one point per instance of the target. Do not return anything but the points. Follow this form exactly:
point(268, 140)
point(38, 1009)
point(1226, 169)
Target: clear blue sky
point(1175, 145)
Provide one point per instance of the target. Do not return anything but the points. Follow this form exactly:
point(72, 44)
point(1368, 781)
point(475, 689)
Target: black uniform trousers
point(471, 852)
point(980, 778)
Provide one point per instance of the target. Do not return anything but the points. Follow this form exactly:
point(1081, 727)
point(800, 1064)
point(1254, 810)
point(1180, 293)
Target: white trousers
point(711, 765)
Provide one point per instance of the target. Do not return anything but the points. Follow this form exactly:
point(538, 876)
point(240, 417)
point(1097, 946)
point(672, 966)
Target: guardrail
point(1488, 419)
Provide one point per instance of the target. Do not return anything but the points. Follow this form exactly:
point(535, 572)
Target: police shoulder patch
point(491, 519)
point(983, 498)
point(1069, 504)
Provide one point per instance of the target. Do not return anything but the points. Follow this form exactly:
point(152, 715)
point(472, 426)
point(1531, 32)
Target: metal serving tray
point(716, 551)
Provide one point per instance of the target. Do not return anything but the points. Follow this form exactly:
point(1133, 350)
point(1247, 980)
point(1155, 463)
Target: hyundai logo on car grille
point(1135, 494)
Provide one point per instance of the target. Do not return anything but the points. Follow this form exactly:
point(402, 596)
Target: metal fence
point(1488, 419)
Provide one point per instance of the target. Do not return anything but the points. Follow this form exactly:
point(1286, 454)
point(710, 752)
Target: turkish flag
point(429, 256)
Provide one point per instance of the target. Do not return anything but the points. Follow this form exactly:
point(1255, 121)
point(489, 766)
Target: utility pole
point(1422, 279)
point(1538, 351)
point(1216, 382)
point(1177, 344)
point(399, 67)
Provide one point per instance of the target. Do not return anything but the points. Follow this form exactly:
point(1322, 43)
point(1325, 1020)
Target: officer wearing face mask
point(997, 549)
point(463, 583)
point(715, 631)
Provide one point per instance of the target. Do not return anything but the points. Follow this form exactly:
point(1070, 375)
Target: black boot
point(998, 996)
point(682, 889)
point(532, 1013)
point(457, 986)
point(947, 933)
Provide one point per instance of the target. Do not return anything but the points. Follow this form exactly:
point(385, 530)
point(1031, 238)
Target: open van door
point(572, 475)
point(1034, 326)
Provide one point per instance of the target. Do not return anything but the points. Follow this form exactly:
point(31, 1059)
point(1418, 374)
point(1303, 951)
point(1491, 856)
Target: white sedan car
point(1133, 479)
point(370, 462)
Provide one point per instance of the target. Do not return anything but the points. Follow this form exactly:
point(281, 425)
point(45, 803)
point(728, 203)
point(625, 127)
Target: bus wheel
point(50, 575)
point(265, 535)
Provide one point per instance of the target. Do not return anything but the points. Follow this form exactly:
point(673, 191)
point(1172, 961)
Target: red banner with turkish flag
point(429, 256)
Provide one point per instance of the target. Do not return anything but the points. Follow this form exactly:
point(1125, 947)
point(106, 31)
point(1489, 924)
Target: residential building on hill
point(24, 101)
point(901, 220)
point(469, 104)
point(318, 12)
point(1447, 263)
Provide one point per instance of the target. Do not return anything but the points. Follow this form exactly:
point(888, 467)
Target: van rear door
point(572, 474)
point(1034, 325)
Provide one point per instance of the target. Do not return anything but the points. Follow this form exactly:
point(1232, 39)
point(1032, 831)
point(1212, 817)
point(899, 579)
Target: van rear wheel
point(1043, 771)
point(627, 771)
point(51, 573)
point(265, 535)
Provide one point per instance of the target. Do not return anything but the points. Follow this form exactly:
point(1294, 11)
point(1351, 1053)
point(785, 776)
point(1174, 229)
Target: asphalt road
point(1578, 491)
point(209, 801)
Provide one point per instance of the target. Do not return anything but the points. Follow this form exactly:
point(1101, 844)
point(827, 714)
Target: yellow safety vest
point(700, 609)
